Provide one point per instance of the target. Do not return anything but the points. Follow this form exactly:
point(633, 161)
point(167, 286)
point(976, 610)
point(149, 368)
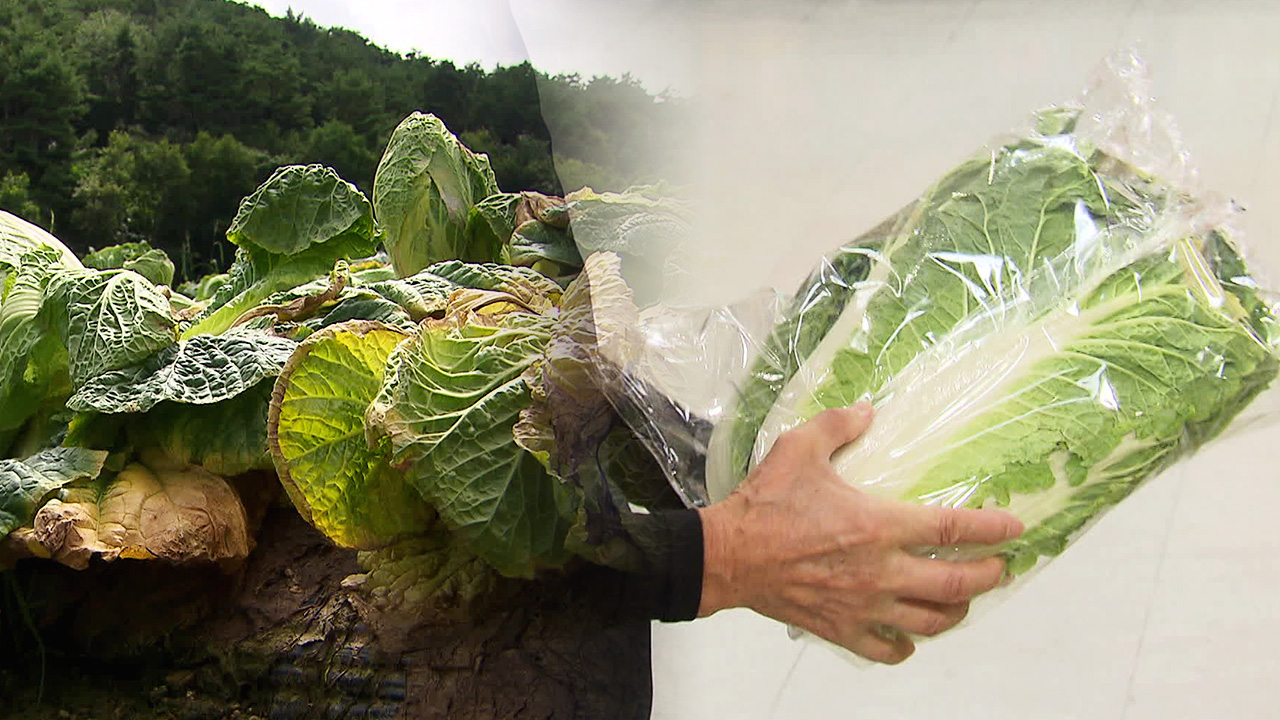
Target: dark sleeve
point(666, 582)
point(670, 583)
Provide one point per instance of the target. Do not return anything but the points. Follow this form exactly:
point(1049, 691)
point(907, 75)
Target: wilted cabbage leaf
point(255, 278)
point(548, 249)
point(448, 405)
point(151, 263)
point(317, 437)
point(154, 509)
point(364, 304)
point(200, 371)
point(597, 317)
point(643, 225)
point(525, 229)
point(573, 427)
point(302, 302)
point(423, 192)
point(498, 215)
point(532, 288)
point(24, 484)
point(431, 292)
point(428, 577)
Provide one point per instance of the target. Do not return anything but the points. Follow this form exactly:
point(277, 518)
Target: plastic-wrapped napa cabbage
point(1050, 325)
point(1042, 331)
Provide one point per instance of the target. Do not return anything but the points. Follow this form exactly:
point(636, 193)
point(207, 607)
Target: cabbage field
point(407, 374)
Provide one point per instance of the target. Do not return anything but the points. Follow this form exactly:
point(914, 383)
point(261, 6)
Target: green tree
point(134, 189)
point(522, 165)
point(15, 197)
point(193, 78)
point(337, 145)
point(507, 104)
point(107, 45)
point(223, 171)
point(353, 98)
point(270, 95)
point(41, 102)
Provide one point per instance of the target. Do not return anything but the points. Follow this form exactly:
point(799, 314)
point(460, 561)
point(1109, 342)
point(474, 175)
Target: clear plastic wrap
point(1050, 325)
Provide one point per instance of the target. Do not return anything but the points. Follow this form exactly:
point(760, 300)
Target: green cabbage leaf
point(423, 192)
point(24, 484)
point(227, 438)
point(151, 263)
point(203, 370)
point(293, 229)
point(447, 408)
point(107, 320)
point(18, 237)
point(336, 479)
point(33, 359)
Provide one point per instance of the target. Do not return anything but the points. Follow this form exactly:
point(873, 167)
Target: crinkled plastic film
point(1051, 325)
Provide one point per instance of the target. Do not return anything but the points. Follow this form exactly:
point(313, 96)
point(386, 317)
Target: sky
point(559, 36)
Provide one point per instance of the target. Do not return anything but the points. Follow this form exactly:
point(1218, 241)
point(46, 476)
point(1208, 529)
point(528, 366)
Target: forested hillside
point(126, 120)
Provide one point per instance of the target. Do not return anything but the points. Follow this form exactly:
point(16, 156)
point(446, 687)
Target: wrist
point(718, 566)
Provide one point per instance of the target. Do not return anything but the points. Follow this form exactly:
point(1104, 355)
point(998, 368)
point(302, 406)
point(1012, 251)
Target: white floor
point(830, 115)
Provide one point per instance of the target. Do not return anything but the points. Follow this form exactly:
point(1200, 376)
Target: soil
point(277, 638)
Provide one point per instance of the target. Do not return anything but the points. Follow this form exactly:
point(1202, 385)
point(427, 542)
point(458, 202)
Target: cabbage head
point(1041, 332)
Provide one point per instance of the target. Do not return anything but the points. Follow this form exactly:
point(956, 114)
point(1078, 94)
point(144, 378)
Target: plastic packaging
point(1049, 326)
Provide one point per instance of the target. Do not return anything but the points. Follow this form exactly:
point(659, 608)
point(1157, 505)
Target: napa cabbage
point(1039, 332)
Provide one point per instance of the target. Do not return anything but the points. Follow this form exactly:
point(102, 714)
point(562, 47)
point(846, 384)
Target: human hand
point(797, 543)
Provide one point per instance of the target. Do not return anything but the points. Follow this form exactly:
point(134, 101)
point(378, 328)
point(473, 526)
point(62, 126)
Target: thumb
point(832, 429)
